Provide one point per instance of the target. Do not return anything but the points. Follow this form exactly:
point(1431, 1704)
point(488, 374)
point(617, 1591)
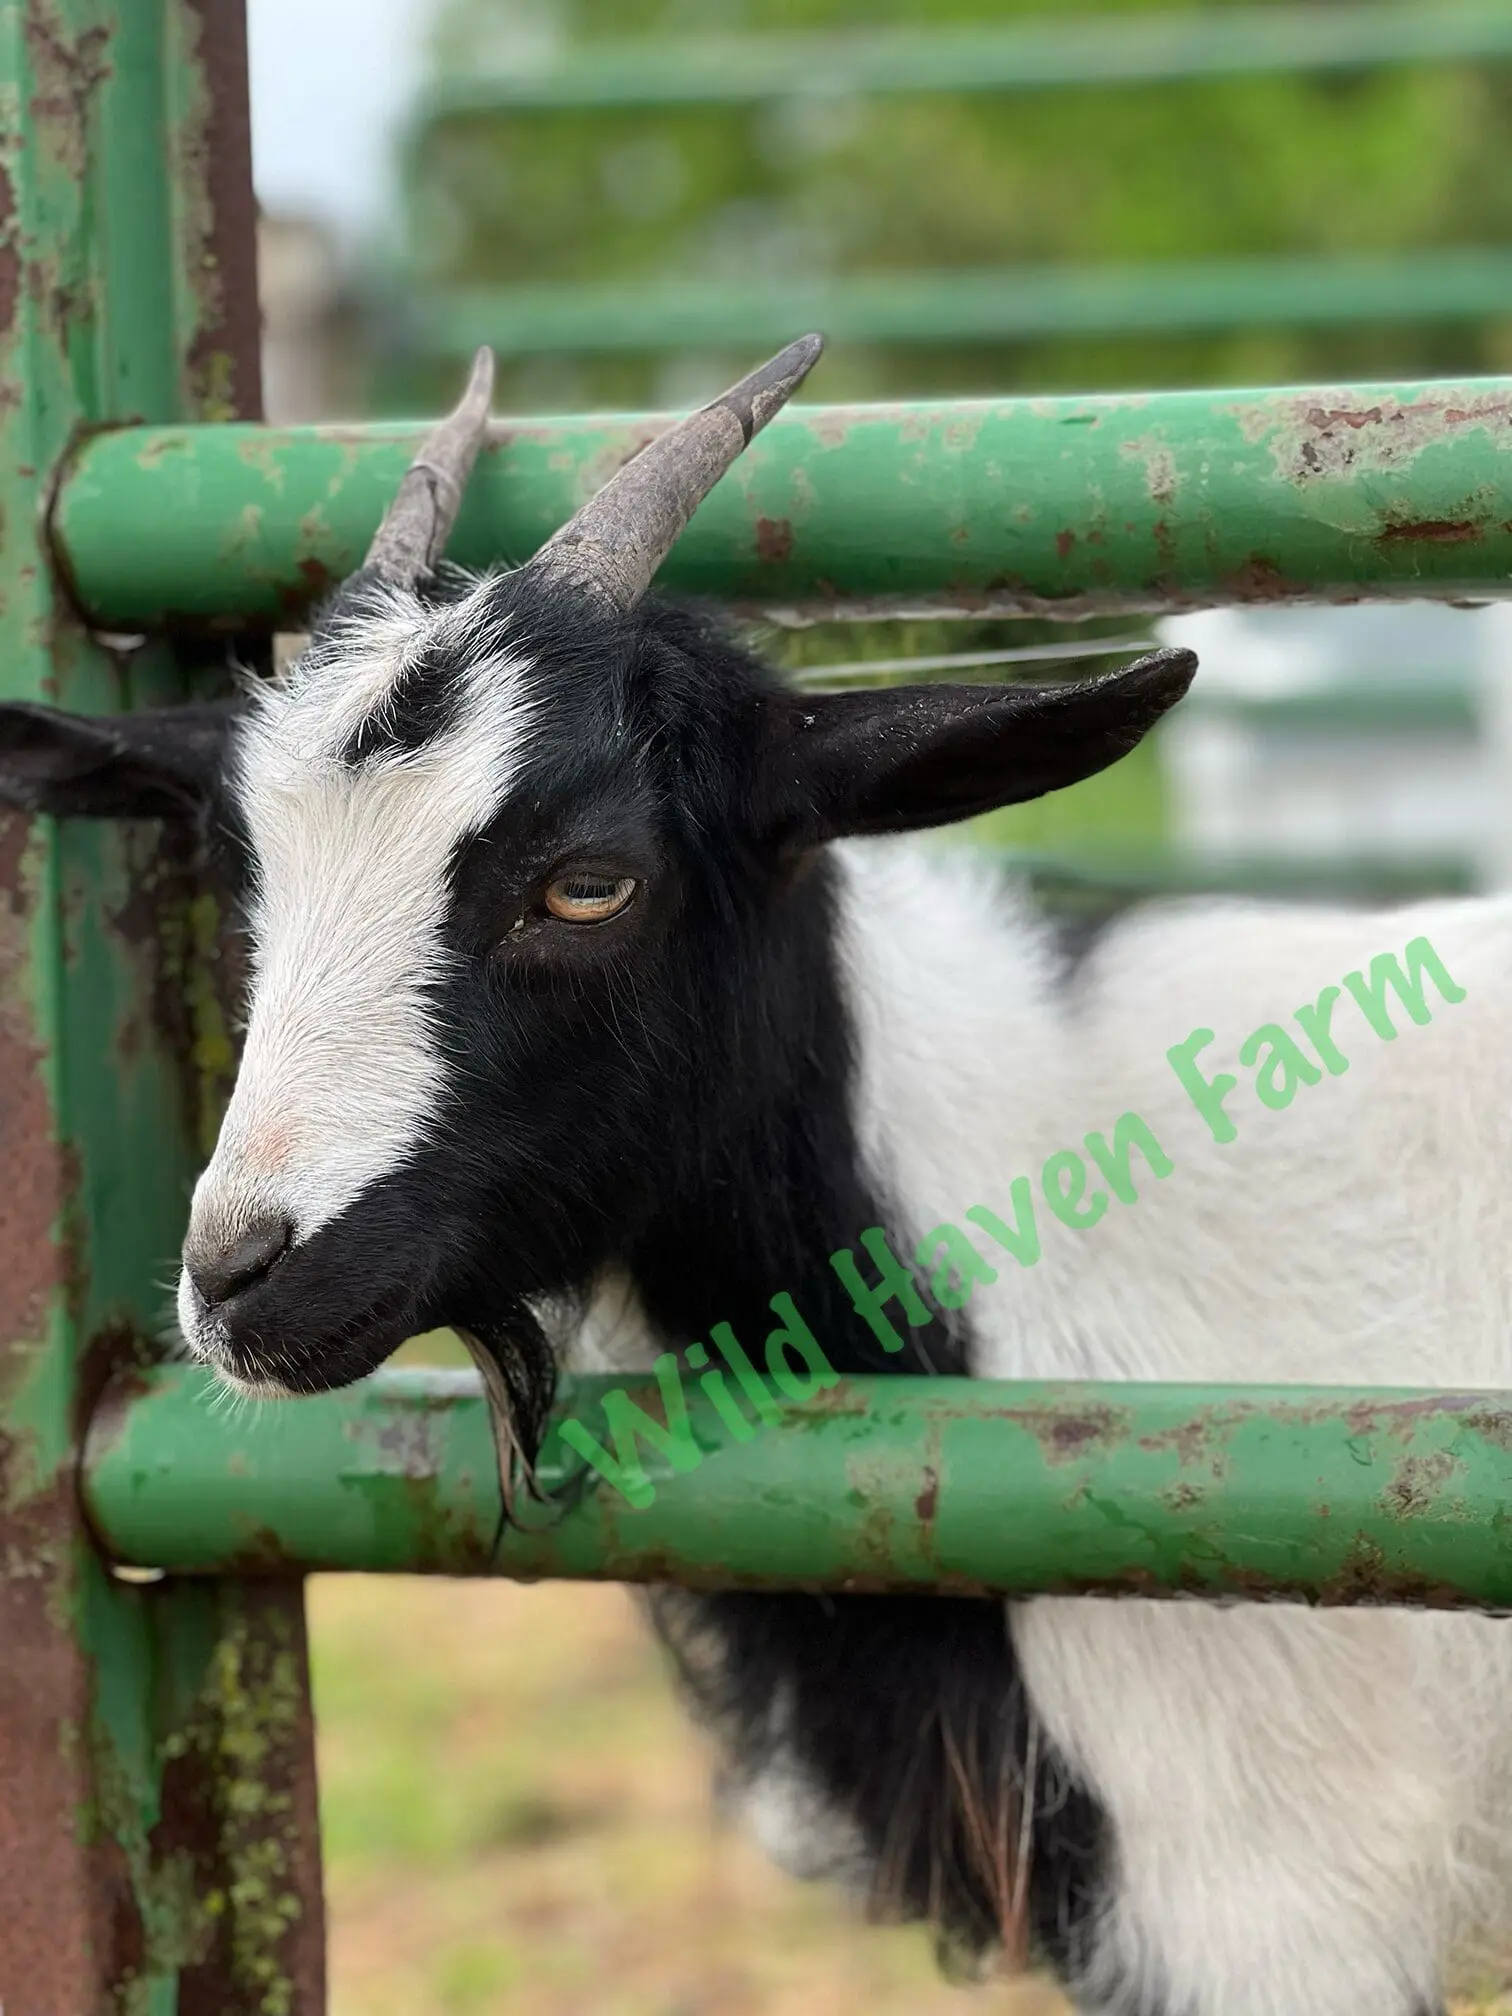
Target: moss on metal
point(255, 1710)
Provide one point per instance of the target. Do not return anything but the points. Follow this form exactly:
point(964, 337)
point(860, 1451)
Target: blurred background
point(631, 200)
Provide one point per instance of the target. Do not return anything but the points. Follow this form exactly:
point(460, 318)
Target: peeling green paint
point(896, 1483)
point(1061, 507)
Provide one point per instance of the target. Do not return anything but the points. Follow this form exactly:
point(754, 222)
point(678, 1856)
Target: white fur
point(794, 1824)
point(1307, 1808)
point(343, 1057)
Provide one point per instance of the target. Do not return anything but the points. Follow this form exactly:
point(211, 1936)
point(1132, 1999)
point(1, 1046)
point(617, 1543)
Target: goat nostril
point(219, 1273)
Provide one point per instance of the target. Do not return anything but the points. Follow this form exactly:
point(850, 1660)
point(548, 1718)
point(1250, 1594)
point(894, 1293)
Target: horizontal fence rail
point(886, 1484)
point(1014, 304)
point(1024, 56)
point(1087, 878)
point(1063, 507)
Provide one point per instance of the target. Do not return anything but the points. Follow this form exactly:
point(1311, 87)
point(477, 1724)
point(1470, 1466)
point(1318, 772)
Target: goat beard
point(518, 1369)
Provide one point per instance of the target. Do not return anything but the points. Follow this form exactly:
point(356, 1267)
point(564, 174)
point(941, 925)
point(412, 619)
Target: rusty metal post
point(157, 1805)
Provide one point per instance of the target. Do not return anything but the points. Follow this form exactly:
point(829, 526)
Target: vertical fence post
point(157, 1803)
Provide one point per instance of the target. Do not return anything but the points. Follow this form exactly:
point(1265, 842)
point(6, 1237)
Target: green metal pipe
point(1024, 56)
point(1014, 304)
point(967, 1486)
point(1063, 507)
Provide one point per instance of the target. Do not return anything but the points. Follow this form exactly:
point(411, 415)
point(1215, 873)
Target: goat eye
point(585, 898)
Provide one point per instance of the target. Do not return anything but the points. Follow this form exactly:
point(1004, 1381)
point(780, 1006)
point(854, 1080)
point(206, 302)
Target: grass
point(518, 1819)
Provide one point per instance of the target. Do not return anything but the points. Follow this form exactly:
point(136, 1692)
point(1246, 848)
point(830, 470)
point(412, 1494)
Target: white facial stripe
point(342, 1066)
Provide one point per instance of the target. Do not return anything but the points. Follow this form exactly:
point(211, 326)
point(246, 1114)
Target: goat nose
point(219, 1272)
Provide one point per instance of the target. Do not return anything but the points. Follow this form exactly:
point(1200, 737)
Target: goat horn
point(417, 525)
point(619, 538)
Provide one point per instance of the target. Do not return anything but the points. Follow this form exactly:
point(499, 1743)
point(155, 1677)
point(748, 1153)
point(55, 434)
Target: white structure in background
point(331, 86)
point(307, 351)
point(299, 284)
point(1376, 732)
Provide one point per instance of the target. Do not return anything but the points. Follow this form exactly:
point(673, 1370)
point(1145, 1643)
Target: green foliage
point(1400, 159)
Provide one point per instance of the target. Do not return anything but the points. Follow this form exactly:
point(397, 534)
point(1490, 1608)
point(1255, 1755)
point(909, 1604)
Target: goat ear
point(159, 764)
point(891, 760)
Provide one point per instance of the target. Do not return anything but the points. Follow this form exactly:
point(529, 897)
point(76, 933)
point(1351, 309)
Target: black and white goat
point(586, 978)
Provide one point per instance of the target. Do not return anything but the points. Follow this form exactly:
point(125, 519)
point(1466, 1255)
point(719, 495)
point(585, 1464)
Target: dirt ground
point(518, 1823)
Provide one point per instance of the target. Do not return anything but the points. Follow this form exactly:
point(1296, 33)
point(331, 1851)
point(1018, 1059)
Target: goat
point(595, 998)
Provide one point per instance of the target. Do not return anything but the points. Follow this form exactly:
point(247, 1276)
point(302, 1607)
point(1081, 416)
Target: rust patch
point(113, 1363)
point(1064, 541)
point(1397, 1418)
point(225, 357)
point(1071, 1436)
point(1191, 1441)
point(927, 1502)
point(1160, 476)
point(104, 1419)
point(1433, 532)
point(10, 258)
point(1310, 440)
point(1367, 1577)
point(263, 1553)
point(1418, 1483)
point(1261, 580)
point(1181, 1497)
point(29, 1197)
point(1343, 416)
point(316, 580)
point(1493, 1423)
point(72, 1924)
point(1065, 1435)
point(774, 538)
point(68, 73)
point(70, 1910)
point(129, 1040)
